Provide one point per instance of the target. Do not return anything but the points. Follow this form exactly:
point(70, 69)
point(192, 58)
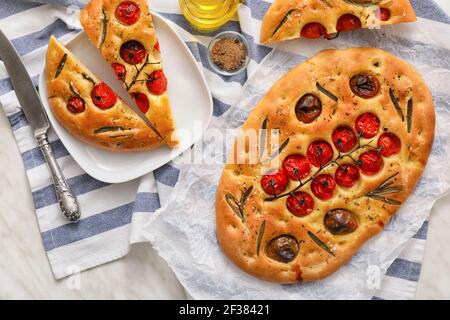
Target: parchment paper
point(184, 230)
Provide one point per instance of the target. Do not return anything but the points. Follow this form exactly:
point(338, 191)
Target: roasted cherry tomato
point(370, 162)
point(347, 175)
point(367, 125)
point(296, 166)
point(344, 139)
point(313, 30)
point(127, 12)
point(119, 70)
point(389, 144)
point(300, 204)
point(157, 82)
point(275, 182)
point(133, 52)
point(340, 221)
point(365, 85)
point(308, 108)
point(141, 101)
point(323, 186)
point(103, 96)
point(156, 46)
point(75, 104)
point(383, 14)
point(320, 153)
point(348, 22)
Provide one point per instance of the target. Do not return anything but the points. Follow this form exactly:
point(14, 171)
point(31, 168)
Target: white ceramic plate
point(190, 99)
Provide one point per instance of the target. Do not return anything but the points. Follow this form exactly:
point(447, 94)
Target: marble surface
point(142, 274)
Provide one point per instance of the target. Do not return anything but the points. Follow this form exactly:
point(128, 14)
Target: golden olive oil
point(208, 15)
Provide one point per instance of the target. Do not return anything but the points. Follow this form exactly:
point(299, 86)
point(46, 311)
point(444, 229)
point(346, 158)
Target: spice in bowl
point(229, 53)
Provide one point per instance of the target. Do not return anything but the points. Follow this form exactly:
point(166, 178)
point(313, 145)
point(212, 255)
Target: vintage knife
point(35, 114)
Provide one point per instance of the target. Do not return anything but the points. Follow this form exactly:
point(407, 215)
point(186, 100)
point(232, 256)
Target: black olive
point(283, 248)
point(365, 85)
point(308, 108)
point(340, 221)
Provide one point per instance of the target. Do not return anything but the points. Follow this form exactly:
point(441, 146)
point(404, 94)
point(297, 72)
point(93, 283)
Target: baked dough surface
point(118, 128)
point(266, 220)
point(285, 18)
point(108, 34)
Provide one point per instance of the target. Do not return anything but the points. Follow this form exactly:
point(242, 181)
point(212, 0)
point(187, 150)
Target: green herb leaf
point(396, 104)
point(279, 151)
point(109, 129)
point(263, 138)
point(61, 65)
point(233, 203)
point(260, 236)
point(104, 29)
point(284, 20)
point(320, 243)
point(409, 115)
point(326, 92)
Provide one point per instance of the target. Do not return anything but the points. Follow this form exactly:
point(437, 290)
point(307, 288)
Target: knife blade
point(34, 112)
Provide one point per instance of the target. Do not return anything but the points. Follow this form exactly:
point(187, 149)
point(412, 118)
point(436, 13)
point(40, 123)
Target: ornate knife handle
point(67, 201)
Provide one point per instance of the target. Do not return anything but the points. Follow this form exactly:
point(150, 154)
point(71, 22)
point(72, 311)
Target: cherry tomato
point(296, 166)
point(141, 101)
point(156, 46)
point(320, 153)
point(323, 186)
point(157, 82)
point(132, 52)
point(367, 125)
point(389, 144)
point(103, 96)
point(300, 204)
point(370, 162)
point(313, 30)
point(275, 182)
point(127, 12)
point(348, 22)
point(365, 85)
point(119, 70)
point(347, 175)
point(383, 14)
point(344, 139)
point(75, 104)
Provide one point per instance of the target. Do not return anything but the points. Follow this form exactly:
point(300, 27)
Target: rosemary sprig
point(277, 152)
point(319, 242)
point(284, 20)
point(73, 90)
point(263, 138)
point(385, 188)
point(409, 115)
point(61, 65)
point(340, 156)
point(88, 78)
point(396, 104)
point(326, 92)
point(109, 129)
point(238, 206)
point(363, 3)
point(262, 228)
point(104, 29)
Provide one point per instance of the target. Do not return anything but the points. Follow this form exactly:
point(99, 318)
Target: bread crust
point(327, 13)
point(87, 125)
point(92, 19)
point(333, 70)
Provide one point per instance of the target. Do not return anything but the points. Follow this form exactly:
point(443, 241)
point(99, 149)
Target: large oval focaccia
point(355, 131)
point(123, 32)
point(290, 19)
point(88, 108)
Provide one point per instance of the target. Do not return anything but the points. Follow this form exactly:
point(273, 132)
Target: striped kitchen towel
point(114, 213)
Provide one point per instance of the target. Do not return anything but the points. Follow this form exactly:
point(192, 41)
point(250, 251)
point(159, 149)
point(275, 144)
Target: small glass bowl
point(233, 35)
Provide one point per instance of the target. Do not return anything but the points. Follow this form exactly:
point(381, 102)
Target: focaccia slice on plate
point(123, 32)
point(356, 127)
point(290, 19)
point(88, 108)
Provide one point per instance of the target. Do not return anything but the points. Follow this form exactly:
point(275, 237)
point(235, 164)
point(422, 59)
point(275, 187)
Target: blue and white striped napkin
point(113, 214)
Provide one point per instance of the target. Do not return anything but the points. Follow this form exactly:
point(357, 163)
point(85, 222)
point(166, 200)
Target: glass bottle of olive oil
point(208, 15)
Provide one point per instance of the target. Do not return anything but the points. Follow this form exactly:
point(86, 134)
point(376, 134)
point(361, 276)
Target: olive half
point(340, 221)
point(365, 85)
point(308, 108)
point(283, 248)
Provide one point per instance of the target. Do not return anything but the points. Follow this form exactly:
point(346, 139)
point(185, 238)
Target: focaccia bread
point(123, 33)
point(290, 19)
point(88, 108)
point(356, 127)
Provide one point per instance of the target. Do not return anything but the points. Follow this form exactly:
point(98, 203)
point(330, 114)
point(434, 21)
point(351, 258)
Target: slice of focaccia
point(356, 128)
point(313, 19)
point(88, 108)
point(123, 33)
